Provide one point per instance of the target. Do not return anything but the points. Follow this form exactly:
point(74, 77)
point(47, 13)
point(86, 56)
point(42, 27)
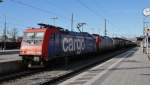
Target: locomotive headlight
point(36, 59)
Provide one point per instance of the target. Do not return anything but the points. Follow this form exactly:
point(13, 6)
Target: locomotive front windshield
point(33, 37)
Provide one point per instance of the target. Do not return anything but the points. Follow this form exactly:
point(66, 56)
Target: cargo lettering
point(73, 44)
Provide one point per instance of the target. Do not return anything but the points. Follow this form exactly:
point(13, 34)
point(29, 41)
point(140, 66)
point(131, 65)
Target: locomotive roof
point(117, 38)
point(105, 37)
point(77, 33)
point(65, 31)
point(49, 26)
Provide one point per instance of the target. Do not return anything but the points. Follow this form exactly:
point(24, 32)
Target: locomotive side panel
point(76, 44)
point(106, 43)
point(54, 46)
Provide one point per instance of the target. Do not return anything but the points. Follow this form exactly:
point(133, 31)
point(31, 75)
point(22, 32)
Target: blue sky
point(124, 17)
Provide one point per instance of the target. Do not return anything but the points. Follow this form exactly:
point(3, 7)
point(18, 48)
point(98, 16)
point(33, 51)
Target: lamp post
point(146, 13)
point(4, 35)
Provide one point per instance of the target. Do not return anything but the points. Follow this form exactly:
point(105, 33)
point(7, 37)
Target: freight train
point(48, 42)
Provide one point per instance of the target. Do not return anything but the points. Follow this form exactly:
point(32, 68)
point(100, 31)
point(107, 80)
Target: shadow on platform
point(145, 74)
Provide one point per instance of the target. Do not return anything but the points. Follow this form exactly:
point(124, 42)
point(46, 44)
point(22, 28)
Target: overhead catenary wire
point(90, 9)
point(50, 12)
point(39, 9)
point(28, 5)
point(94, 12)
point(43, 10)
point(115, 27)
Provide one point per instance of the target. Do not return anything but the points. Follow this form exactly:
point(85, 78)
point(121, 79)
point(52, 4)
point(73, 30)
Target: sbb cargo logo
point(73, 44)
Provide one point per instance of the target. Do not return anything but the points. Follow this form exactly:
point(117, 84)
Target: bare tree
point(13, 34)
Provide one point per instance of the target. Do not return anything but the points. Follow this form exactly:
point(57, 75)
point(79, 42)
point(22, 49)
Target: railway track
point(19, 74)
point(55, 75)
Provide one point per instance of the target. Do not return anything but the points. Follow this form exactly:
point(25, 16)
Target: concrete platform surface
point(10, 63)
point(9, 57)
point(129, 68)
point(5, 52)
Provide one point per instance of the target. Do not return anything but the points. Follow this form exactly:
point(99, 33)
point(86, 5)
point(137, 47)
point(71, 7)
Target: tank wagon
point(122, 43)
point(40, 45)
point(103, 43)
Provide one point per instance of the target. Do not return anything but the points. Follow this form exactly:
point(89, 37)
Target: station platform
point(5, 52)
point(129, 68)
point(10, 63)
point(9, 58)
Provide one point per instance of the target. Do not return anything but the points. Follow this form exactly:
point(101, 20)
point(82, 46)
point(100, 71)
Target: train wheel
point(45, 64)
point(29, 65)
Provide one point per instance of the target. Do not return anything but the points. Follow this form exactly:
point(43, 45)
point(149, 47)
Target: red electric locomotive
point(42, 44)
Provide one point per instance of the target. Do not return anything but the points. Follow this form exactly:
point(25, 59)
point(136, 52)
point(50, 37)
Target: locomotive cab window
point(33, 37)
point(38, 37)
